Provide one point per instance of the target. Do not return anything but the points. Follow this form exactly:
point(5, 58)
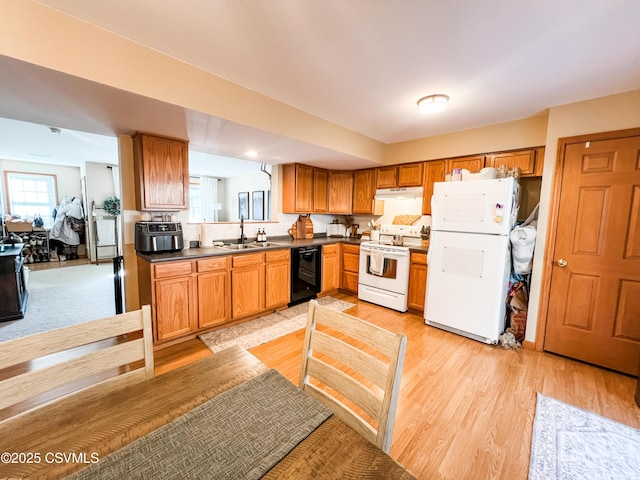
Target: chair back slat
point(77, 357)
point(346, 359)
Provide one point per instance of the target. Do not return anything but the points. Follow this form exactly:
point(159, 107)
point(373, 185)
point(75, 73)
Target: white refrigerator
point(469, 257)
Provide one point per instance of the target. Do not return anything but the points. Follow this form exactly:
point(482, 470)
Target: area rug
point(571, 443)
point(59, 297)
point(264, 329)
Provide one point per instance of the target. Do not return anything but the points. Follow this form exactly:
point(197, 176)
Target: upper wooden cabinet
point(408, 175)
point(433, 172)
point(297, 188)
point(364, 190)
point(473, 163)
point(320, 190)
point(305, 189)
point(340, 191)
point(528, 161)
point(161, 167)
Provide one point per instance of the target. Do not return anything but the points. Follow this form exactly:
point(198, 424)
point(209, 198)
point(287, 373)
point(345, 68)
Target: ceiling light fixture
point(433, 103)
point(251, 154)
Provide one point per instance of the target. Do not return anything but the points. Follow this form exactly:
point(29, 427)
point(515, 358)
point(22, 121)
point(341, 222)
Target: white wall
point(100, 185)
point(615, 112)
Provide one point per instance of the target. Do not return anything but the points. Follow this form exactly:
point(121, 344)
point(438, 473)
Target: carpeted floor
point(60, 297)
point(264, 329)
point(571, 443)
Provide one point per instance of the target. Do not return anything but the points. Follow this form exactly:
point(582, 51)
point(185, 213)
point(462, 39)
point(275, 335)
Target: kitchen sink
point(239, 246)
point(243, 246)
point(266, 244)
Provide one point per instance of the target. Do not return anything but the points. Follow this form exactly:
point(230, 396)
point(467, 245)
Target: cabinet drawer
point(346, 248)
point(246, 260)
point(165, 270)
point(420, 258)
point(330, 249)
point(351, 263)
point(213, 264)
point(278, 256)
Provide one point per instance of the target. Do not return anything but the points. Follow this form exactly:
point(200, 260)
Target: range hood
point(398, 193)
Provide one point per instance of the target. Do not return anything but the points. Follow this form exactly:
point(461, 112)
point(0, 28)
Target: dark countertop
point(282, 242)
point(11, 250)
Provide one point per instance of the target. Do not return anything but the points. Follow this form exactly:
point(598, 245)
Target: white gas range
point(384, 266)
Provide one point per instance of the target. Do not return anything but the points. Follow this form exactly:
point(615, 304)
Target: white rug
point(571, 443)
point(264, 329)
point(59, 297)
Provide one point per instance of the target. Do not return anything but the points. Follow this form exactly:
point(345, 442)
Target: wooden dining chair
point(46, 366)
point(354, 368)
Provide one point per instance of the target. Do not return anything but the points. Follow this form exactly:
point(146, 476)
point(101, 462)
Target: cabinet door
point(433, 172)
point(473, 164)
point(277, 284)
point(174, 307)
point(320, 190)
point(297, 188)
point(523, 159)
point(417, 282)
point(340, 191)
point(386, 177)
point(410, 175)
point(213, 298)
point(364, 189)
point(247, 291)
point(330, 268)
point(162, 170)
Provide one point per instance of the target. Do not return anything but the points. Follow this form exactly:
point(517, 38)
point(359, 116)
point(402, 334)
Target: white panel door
point(481, 206)
point(467, 282)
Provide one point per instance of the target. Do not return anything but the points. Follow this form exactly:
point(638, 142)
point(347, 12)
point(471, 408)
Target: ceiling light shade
point(433, 103)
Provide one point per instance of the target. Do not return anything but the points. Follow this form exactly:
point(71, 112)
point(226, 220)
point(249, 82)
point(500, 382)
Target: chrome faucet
point(242, 235)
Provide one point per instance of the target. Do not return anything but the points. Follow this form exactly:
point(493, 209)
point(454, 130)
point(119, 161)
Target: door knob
point(562, 262)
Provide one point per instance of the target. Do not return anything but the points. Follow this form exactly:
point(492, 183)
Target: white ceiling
point(361, 64)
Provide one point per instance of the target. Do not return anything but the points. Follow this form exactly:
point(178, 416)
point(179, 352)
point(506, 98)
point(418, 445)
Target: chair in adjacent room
point(354, 368)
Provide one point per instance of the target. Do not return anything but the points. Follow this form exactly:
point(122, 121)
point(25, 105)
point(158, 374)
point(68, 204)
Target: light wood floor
point(466, 409)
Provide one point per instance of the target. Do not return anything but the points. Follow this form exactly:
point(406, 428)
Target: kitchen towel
point(106, 231)
point(376, 262)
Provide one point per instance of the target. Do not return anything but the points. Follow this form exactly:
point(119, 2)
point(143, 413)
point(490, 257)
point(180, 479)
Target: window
point(31, 194)
point(195, 203)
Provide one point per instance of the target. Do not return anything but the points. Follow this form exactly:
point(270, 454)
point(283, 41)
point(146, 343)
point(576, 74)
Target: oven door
point(395, 272)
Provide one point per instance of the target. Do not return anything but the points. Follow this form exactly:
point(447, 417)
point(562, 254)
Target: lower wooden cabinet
point(247, 285)
point(277, 278)
point(193, 295)
point(350, 267)
point(214, 291)
point(330, 268)
point(175, 300)
point(417, 282)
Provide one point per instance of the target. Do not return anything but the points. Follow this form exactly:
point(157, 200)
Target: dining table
point(225, 416)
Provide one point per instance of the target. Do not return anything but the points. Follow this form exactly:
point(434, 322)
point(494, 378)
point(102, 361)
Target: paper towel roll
point(207, 234)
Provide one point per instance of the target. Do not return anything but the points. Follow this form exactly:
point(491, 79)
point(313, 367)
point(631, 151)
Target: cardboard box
point(18, 226)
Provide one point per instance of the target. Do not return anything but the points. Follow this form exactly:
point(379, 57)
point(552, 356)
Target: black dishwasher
point(305, 273)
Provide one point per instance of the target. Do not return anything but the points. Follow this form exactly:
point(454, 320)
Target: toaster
point(336, 230)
